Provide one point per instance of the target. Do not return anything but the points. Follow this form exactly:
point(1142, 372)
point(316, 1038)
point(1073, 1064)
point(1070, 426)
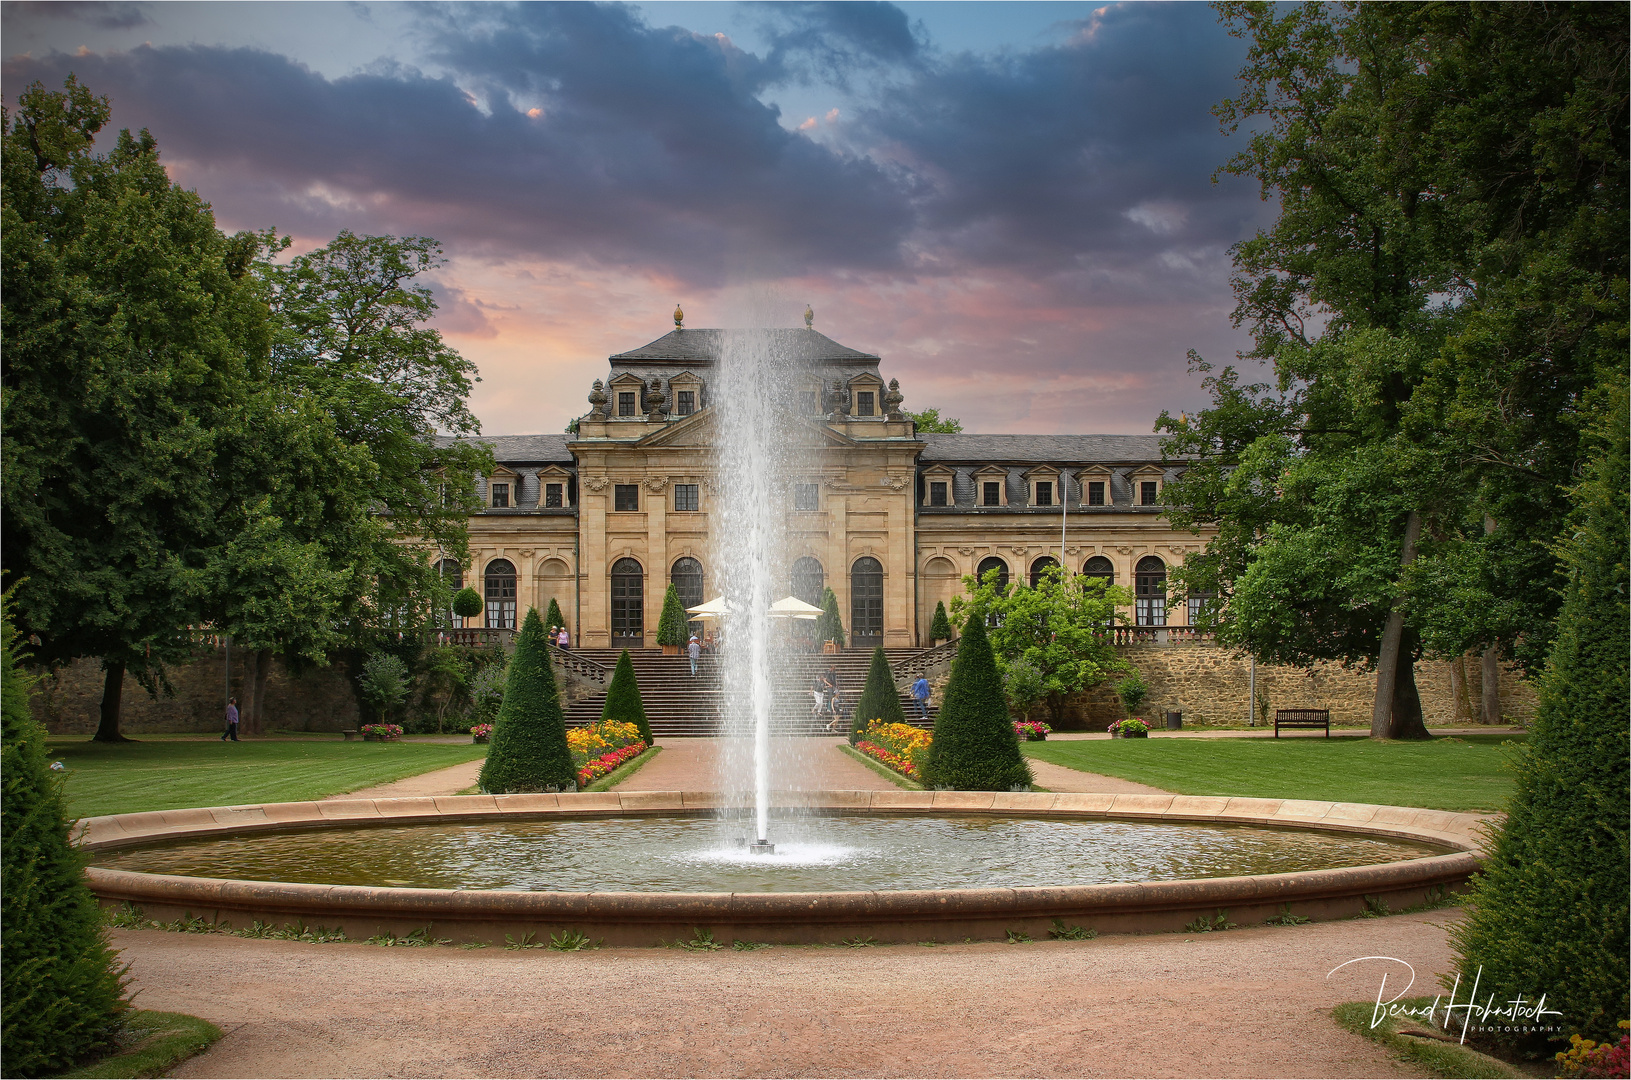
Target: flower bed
point(480, 733)
point(381, 732)
point(602, 747)
point(1129, 729)
point(1031, 730)
point(900, 747)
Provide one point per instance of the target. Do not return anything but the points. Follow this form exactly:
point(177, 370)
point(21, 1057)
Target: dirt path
point(1250, 1003)
point(449, 781)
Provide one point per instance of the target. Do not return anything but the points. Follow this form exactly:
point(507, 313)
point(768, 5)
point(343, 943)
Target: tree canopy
point(930, 420)
point(1443, 288)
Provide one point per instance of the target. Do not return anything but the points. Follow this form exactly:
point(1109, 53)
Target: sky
point(1013, 204)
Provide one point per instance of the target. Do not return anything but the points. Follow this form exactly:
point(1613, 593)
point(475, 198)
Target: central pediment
point(700, 431)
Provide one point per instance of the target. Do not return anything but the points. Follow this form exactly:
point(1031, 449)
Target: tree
point(931, 421)
point(63, 988)
point(130, 325)
point(1548, 914)
point(446, 671)
point(940, 628)
point(467, 603)
point(829, 627)
point(1060, 628)
point(623, 699)
point(384, 683)
point(879, 700)
point(974, 747)
point(1443, 284)
point(528, 750)
point(671, 625)
point(1023, 686)
point(554, 617)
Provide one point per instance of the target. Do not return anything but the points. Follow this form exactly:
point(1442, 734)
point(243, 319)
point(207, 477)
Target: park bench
point(1302, 718)
point(350, 734)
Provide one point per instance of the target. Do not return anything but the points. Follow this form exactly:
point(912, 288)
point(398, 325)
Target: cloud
point(103, 14)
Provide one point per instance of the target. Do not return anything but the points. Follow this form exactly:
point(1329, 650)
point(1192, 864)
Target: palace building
point(889, 517)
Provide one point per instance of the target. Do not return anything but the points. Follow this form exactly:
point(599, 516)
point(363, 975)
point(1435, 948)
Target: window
point(625, 403)
point(808, 580)
point(937, 493)
point(806, 497)
point(628, 604)
point(866, 602)
point(1146, 493)
point(1098, 568)
point(626, 497)
point(501, 496)
point(1044, 493)
point(552, 495)
point(1150, 591)
point(990, 563)
point(500, 589)
point(685, 498)
point(863, 403)
point(686, 575)
point(1039, 566)
point(991, 493)
point(452, 576)
point(1200, 604)
point(687, 403)
point(1095, 493)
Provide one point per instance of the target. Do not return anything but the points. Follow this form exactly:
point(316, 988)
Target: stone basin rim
point(643, 917)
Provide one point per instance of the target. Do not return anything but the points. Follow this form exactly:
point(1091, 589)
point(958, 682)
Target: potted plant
point(1032, 730)
point(671, 626)
point(381, 732)
point(480, 733)
point(940, 628)
point(1132, 691)
point(1129, 729)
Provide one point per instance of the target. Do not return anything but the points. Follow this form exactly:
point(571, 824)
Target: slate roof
point(702, 346)
point(513, 449)
point(1032, 449)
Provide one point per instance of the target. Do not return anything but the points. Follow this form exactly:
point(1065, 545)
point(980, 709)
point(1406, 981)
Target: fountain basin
point(647, 918)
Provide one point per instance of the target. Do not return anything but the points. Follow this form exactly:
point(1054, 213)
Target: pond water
point(813, 854)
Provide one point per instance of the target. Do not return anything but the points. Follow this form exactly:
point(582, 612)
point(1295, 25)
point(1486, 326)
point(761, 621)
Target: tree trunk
point(113, 691)
point(1391, 658)
point(259, 666)
point(1405, 721)
point(1460, 701)
point(1492, 687)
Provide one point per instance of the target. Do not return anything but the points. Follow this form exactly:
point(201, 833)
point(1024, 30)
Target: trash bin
point(1175, 720)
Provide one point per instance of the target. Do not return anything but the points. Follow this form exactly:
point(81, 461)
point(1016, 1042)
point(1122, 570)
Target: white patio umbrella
point(713, 609)
point(791, 607)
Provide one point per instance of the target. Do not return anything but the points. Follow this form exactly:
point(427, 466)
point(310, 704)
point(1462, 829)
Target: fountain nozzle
point(761, 847)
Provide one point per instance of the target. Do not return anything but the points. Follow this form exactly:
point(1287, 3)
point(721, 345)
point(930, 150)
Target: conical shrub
point(1548, 913)
point(671, 626)
point(623, 699)
point(60, 982)
point(940, 628)
point(829, 627)
point(878, 700)
point(554, 616)
point(974, 746)
point(528, 750)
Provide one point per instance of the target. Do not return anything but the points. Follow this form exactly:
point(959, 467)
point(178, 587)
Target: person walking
point(564, 639)
point(920, 694)
point(693, 649)
point(818, 690)
point(835, 694)
point(232, 721)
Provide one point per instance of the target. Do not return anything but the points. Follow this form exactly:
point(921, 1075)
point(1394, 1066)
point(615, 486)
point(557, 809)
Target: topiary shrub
point(974, 747)
point(1133, 691)
point(528, 750)
point(829, 627)
point(1548, 913)
point(384, 683)
point(467, 603)
point(940, 628)
point(61, 985)
point(878, 700)
point(554, 617)
point(623, 699)
point(671, 627)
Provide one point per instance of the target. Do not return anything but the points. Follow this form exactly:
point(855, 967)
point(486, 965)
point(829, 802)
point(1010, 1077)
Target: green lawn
point(124, 778)
point(1463, 773)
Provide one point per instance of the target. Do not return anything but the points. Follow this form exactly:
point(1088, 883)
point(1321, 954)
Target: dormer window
point(991, 486)
point(937, 493)
point(865, 403)
point(626, 403)
point(1044, 493)
point(501, 496)
point(554, 496)
point(1095, 492)
point(1043, 484)
point(1146, 484)
point(1146, 492)
point(686, 402)
point(991, 493)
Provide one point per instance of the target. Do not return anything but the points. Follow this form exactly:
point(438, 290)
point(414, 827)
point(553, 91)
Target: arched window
point(1150, 587)
point(866, 602)
point(628, 605)
point(452, 575)
point(1098, 568)
point(500, 587)
point(991, 562)
point(686, 574)
point(1040, 565)
point(808, 580)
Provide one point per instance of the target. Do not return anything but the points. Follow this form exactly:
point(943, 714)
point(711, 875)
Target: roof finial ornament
point(809, 317)
point(679, 318)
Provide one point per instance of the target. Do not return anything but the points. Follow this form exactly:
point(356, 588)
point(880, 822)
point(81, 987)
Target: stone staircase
point(679, 704)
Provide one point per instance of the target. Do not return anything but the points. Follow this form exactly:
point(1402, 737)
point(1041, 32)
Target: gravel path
point(1248, 1003)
